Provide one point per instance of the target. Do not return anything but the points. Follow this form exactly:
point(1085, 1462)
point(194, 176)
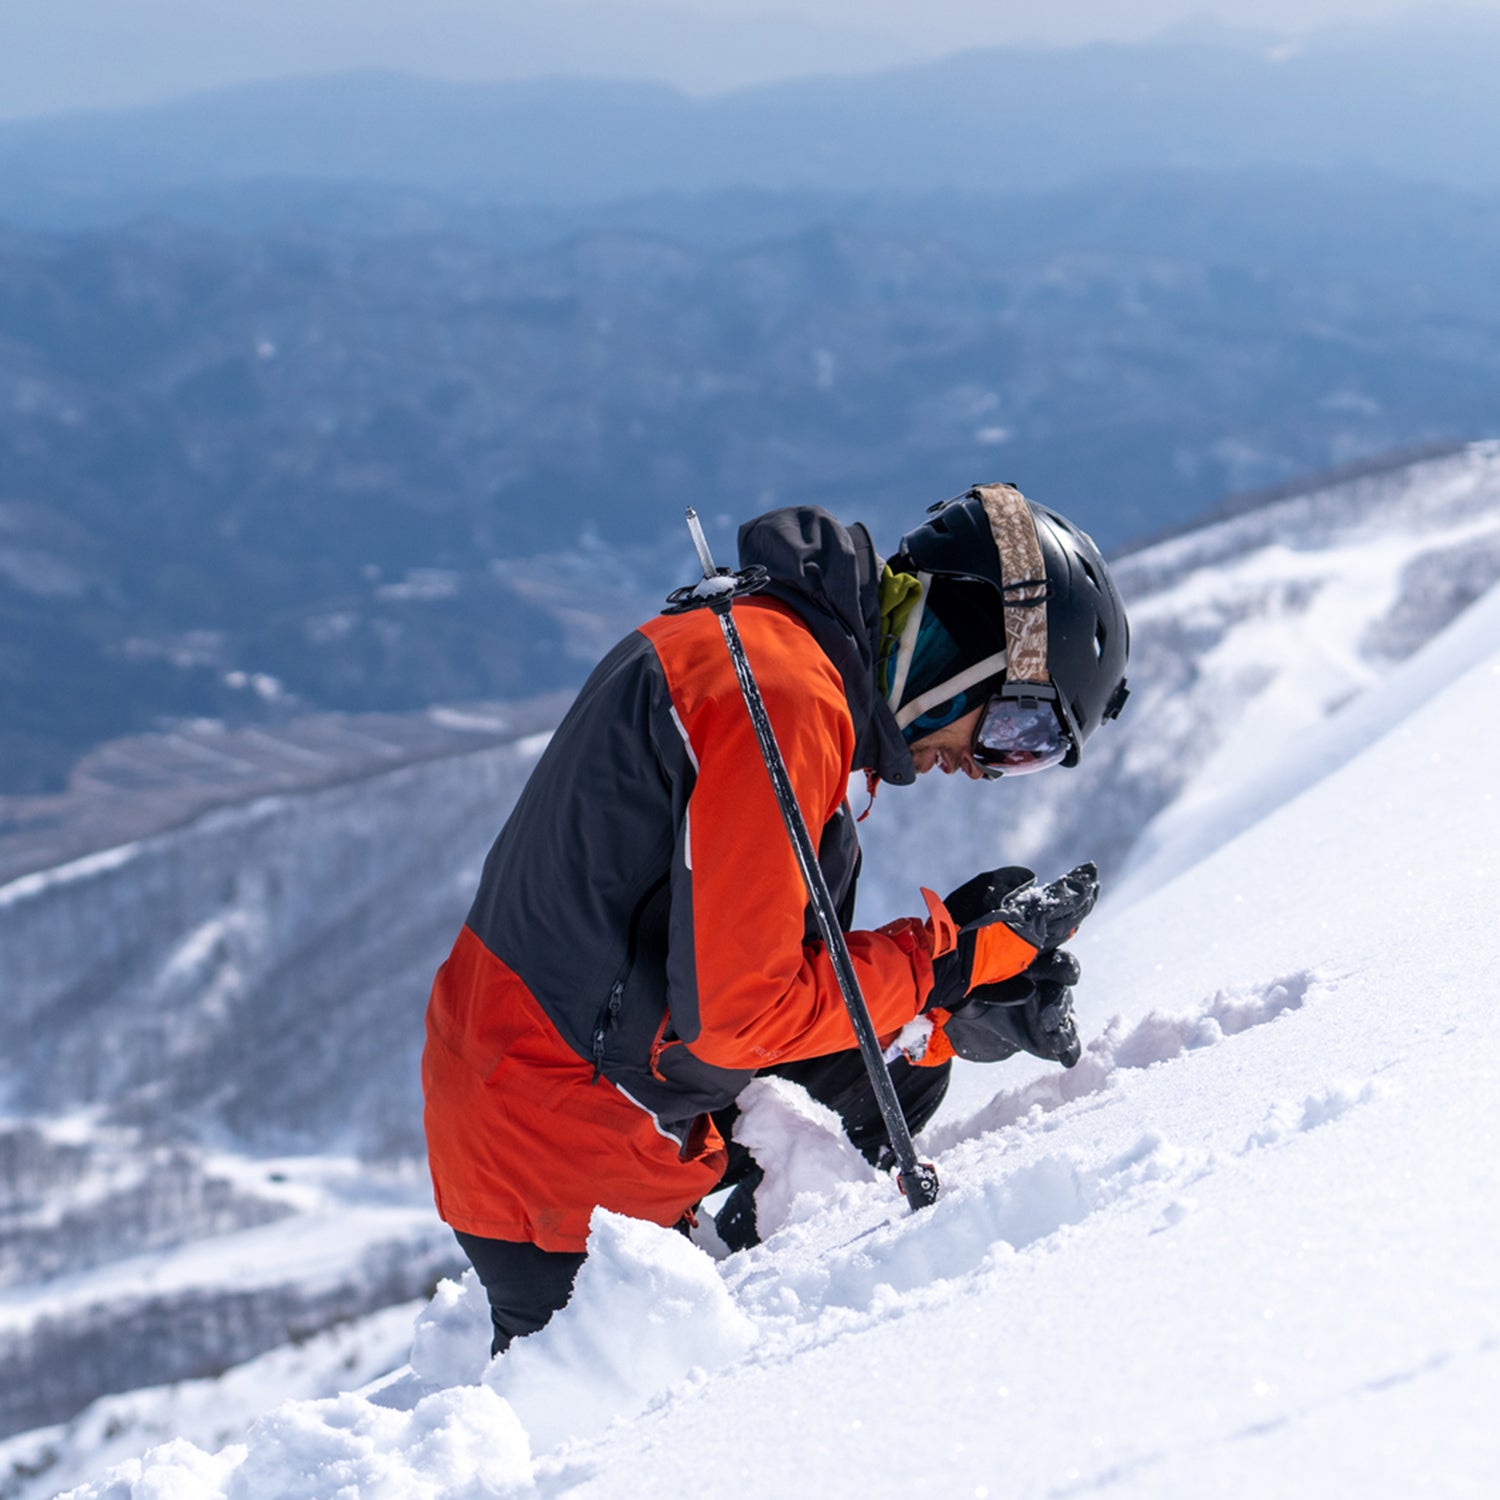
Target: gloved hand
point(1032, 1012)
point(1004, 921)
point(984, 893)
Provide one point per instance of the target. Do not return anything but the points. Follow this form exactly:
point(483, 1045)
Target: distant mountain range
point(299, 467)
point(364, 393)
point(1418, 101)
point(155, 49)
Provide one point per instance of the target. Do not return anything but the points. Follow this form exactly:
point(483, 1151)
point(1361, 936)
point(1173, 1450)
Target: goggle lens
point(1014, 739)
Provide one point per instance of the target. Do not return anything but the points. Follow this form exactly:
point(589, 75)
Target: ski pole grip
point(700, 543)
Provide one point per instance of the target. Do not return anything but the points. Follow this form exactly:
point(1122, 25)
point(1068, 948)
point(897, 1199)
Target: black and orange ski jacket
point(640, 943)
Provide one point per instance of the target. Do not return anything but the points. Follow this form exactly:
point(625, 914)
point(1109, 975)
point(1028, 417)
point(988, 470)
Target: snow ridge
point(1157, 1037)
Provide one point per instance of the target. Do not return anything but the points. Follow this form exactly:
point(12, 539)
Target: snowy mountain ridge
point(1246, 635)
point(1252, 1098)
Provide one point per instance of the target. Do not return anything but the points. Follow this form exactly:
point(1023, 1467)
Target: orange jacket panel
point(524, 1140)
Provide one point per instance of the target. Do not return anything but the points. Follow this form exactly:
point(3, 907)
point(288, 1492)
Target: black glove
point(1048, 915)
point(985, 892)
point(1032, 1013)
point(1005, 920)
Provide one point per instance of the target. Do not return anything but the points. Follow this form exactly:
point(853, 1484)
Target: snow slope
point(1246, 1247)
point(1245, 634)
point(210, 1116)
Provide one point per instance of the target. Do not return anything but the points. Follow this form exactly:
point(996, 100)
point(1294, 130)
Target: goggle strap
point(1025, 579)
point(911, 712)
point(907, 648)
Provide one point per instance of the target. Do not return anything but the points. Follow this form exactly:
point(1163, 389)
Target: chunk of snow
point(801, 1147)
point(648, 1309)
point(712, 588)
point(452, 1341)
point(459, 1444)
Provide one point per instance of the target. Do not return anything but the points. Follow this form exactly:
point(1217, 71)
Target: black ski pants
point(526, 1285)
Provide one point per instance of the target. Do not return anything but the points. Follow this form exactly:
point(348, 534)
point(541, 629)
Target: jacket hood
point(830, 575)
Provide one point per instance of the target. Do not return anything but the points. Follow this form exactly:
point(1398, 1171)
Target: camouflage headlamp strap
point(1024, 586)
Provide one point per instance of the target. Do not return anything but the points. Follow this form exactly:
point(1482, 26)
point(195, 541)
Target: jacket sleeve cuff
point(914, 937)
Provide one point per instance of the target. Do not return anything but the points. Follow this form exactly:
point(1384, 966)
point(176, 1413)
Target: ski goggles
point(1016, 736)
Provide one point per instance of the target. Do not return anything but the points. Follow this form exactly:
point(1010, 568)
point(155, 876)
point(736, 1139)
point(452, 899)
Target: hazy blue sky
point(950, 23)
point(64, 54)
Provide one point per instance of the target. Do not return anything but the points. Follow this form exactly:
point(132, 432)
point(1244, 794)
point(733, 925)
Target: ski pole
point(917, 1179)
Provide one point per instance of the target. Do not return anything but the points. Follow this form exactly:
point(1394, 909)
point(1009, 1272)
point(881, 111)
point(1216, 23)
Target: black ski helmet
point(1087, 633)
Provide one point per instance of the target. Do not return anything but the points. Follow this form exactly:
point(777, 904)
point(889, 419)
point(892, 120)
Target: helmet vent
point(1099, 640)
point(1083, 563)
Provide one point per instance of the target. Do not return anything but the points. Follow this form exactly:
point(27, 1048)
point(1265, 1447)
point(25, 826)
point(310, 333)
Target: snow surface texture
point(1246, 1247)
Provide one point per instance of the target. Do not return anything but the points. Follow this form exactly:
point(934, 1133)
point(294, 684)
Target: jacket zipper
point(611, 1007)
point(606, 1020)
